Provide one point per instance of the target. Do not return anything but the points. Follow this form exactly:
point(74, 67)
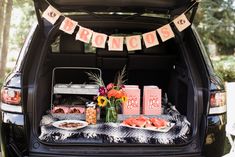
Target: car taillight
point(218, 103)
point(11, 96)
point(11, 100)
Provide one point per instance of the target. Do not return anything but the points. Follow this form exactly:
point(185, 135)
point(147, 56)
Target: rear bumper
point(131, 151)
point(114, 155)
point(13, 140)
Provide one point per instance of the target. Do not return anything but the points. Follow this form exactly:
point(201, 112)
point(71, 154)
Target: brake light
point(11, 96)
point(218, 103)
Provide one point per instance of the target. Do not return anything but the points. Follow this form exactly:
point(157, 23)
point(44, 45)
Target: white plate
point(165, 129)
point(58, 123)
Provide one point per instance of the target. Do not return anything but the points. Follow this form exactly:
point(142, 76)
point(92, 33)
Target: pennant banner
point(115, 43)
point(165, 32)
point(133, 42)
point(51, 14)
point(150, 39)
point(84, 34)
point(181, 22)
point(68, 25)
point(99, 40)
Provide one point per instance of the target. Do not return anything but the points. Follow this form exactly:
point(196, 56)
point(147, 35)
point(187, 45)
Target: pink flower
point(110, 86)
point(102, 91)
point(95, 98)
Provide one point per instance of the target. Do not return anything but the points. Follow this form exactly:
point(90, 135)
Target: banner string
point(188, 9)
point(150, 38)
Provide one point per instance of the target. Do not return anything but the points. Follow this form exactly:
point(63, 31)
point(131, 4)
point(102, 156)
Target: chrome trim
point(218, 110)
point(11, 108)
point(13, 118)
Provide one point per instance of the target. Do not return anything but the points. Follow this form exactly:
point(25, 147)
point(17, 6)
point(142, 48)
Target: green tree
point(15, 38)
point(28, 18)
point(6, 11)
point(215, 22)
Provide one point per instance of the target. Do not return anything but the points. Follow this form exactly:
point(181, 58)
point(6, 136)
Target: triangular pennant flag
point(51, 14)
point(99, 40)
point(68, 25)
point(115, 43)
point(84, 34)
point(165, 32)
point(181, 22)
point(150, 39)
point(133, 42)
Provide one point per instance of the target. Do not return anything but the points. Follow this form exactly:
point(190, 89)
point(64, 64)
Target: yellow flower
point(124, 99)
point(102, 101)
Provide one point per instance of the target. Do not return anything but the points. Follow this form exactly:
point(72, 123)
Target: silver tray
point(87, 89)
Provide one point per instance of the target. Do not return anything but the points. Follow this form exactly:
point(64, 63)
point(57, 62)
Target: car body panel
point(73, 5)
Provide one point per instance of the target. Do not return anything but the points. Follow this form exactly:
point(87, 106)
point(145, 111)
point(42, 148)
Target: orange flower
point(116, 93)
point(119, 94)
point(112, 93)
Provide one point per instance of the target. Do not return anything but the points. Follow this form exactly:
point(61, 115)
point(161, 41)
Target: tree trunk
point(6, 30)
point(1, 21)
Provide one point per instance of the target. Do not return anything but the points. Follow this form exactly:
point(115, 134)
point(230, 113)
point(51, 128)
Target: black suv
point(179, 66)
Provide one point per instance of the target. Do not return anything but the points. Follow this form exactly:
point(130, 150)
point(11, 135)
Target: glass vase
point(111, 115)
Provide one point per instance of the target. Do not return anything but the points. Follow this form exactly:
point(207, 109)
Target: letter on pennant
point(84, 34)
point(150, 39)
point(133, 42)
point(165, 32)
point(68, 25)
point(115, 43)
point(99, 40)
point(181, 22)
point(51, 14)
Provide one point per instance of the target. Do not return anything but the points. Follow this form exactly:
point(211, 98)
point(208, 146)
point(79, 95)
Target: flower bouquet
point(111, 96)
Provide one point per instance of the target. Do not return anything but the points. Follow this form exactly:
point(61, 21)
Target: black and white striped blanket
point(115, 133)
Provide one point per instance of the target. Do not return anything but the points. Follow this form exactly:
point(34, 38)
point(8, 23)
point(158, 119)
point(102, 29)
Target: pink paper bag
point(152, 100)
point(132, 106)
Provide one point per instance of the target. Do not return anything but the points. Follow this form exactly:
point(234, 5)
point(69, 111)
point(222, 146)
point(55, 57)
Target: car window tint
point(89, 48)
point(55, 46)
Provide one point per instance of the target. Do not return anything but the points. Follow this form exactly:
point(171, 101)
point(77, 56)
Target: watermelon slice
point(128, 121)
point(140, 122)
point(142, 118)
point(158, 123)
point(149, 125)
point(163, 122)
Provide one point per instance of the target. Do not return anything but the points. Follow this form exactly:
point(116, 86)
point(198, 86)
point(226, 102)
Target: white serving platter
point(58, 123)
point(163, 129)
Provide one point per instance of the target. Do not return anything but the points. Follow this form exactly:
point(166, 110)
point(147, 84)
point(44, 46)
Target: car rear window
point(58, 47)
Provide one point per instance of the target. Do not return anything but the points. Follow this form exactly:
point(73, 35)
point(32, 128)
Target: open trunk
point(164, 66)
